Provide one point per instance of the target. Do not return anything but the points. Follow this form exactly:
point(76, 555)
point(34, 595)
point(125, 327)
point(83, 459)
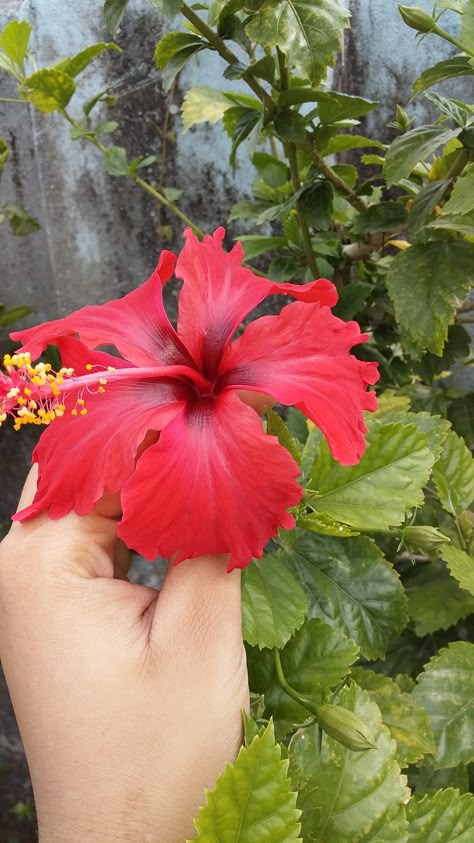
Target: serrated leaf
point(446, 690)
point(274, 172)
point(277, 427)
point(341, 143)
point(316, 522)
point(48, 89)
point(467, 26)
point(385, 216)
point(76, 64)
point(308, 33)
point(116, 161)
point(435, 600)
point(445, 817)
point(426, 283)
point(315, 203)
point(259, 244)
point(21, 222)
point(14, 40)
point(435, 427)
point(424, 203)
point(387, 482)
point(347, 796)
point(172, 53)
point(334, 106)
point(252, 799)
point(414, 146)
point(461, 566)
point(453, 474)
point(425, 778)
point(314, 660)
point(461, 200)
point(114, 11)
point(352, 299)
point(274, 605)
point(351, 587)
point(407, 720)
point(203, 104)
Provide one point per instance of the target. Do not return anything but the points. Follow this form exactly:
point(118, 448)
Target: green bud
point(417, 18)
point(425, 539)
point(402, 119)
point(344, 726)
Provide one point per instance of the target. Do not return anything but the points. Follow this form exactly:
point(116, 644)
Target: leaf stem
point(288, 689)
point(333, 177)
point(290, 152)
point(452, 40)
point(218, 44)
point(12, 99)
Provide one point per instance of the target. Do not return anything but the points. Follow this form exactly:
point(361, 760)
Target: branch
point(333, 177)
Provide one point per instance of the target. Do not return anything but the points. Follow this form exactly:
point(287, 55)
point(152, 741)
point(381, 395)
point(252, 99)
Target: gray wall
point(100, 235)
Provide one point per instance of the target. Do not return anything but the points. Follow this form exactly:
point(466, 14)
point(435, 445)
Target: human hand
point(128, 700)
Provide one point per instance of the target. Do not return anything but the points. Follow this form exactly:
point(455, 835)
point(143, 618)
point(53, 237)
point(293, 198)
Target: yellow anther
point(89, 367)
point(27, 391)
point(32, 405)
point(81, 401)
point(58, 411)
point(3, 417)
point(13, 392)
point(83, 412)
point(7, 360)
point(21, 400)
point(101, 389)
point(111, 369)
point(102, 381)
point(73, 412)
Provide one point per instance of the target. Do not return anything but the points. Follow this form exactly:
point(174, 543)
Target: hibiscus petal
point(218, 293)
point(82, 456)
point(301, 358)
point(136, 324)
point(213, 483)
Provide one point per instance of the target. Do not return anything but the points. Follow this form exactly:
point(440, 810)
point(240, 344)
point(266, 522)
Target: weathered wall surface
point(100, 235)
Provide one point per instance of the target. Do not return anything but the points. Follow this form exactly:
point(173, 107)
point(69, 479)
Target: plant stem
point(12, 99)
point(335, 180)
point(219, 45)
point(290, 151)
point(447, 37)
point(144, 184)
point(168, 204)
point(292, 692)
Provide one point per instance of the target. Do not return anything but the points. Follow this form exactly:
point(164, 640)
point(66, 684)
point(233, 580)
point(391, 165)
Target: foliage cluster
point(358, 623)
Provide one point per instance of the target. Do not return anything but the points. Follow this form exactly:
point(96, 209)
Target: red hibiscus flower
point(212, 481)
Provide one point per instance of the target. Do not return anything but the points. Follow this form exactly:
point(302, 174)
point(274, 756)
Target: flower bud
point(417, 18)
point(423, 538)
point(344, 726)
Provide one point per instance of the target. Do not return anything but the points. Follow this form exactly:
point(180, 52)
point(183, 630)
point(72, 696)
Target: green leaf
point(274, 172)
point(424, 203)
point(21, 222)
point(352, 299)
point(407, 720)
point(172, 53)
point(116, 161)
point(435, 427)
point(14, 40)
point(461, 200)
point(48, 89)
point(446, 690)
point(341, 143)
point(426, 283)
point(277, 427)
point(334, 106)
point(454, 66)
point(387, 482)
point(170, 8)
point(435, 600)
point(461, 566)
point(4, 154)
point(414, 146)
point(7, 317)
point(349, 796)
point(385, 216)
point(313, 661)
point(290, 126)
point(76, 64)
point(114, 11)
point(308, 33)
point(259, 244)
point(351, 587)
point(315, 204)
point(274, 605)
point(445, 817)
point(252, 800)
point(203, 104)
point(103, 96)
point(425, 778)
point(467, 27)
point(323, 525)
point(453, 474)
point(461, 416)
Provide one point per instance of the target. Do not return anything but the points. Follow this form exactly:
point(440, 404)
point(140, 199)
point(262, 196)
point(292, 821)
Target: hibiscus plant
point(348, 505)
